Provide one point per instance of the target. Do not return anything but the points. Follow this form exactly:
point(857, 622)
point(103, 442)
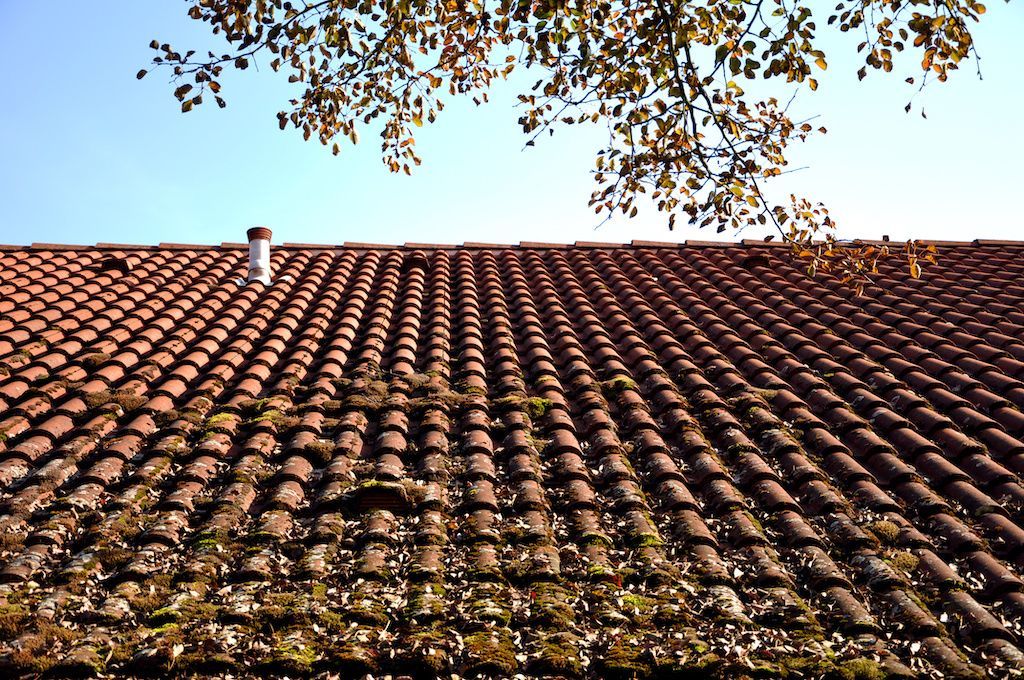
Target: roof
point(585, 460)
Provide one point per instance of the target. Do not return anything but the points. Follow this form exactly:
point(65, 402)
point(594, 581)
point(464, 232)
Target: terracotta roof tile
point(556, 460)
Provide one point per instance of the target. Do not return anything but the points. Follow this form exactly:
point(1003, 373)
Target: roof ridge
point(473, 245)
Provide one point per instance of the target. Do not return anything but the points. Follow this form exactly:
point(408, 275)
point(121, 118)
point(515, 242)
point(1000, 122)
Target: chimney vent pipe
point(259, 255)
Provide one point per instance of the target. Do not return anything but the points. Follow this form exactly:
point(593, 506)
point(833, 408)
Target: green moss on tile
point(13, 620)
point(219, 419)
point(192, 416)
point(623, 660)
point(176, 445)
point(126, 399)
point(552, 608)
point(152, 594)
point(332, 405)
point(319, 452)
point(904, 560)
point(114, 557)
point(192, 611)
point(489, 653)
point(600, 571)
point(596, 538)
point(617, 385)
point(291, 658)
point(210, 540)
point(444, 400)
point(464, 387)
point(355, 659)
point(885, 531)
point(638, 603)
point(489, 611)
point(755, 521)
point(425, 649)
point(35, 652)
point(367, 610)
point(251, 407)
point(368, 396)
point(644, 540)
point(273, 416)
point(511, 403)
point(556, 655)
point(203, 663)
point(861, 669)
point(165, 418)
point(537, 407)
point(84, 662)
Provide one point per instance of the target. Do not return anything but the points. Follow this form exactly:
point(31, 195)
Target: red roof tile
point(590, 460)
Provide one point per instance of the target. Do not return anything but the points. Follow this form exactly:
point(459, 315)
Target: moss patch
point(219, 419)
point(907, 561)
point(617, 385)
point(556, 655)
point(535, 407)
point(885, 531)
point(489, 653)
point(644, 540)
point(95, 360)
point(861, 669)
point(366, 395)
point(13, 619)
point(293, 659)
point(186, 612)
point(623, 660)
point(637, 603)
point(126, 399)
point(39, 650)
point(428, 650)
point(319, 452)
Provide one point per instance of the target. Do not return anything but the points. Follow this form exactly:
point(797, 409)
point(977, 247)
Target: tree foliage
point(668, 78)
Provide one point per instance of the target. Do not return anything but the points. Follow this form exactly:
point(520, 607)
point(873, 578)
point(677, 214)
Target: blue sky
point(90, 155)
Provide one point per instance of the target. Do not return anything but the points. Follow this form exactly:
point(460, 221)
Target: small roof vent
point(416, 259)
point(755, 260)
point(113, 264)
point(259, 255)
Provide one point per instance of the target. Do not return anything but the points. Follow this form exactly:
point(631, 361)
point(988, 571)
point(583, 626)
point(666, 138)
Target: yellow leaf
point(822, 64)
point(813, 83)
point(417, 121)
